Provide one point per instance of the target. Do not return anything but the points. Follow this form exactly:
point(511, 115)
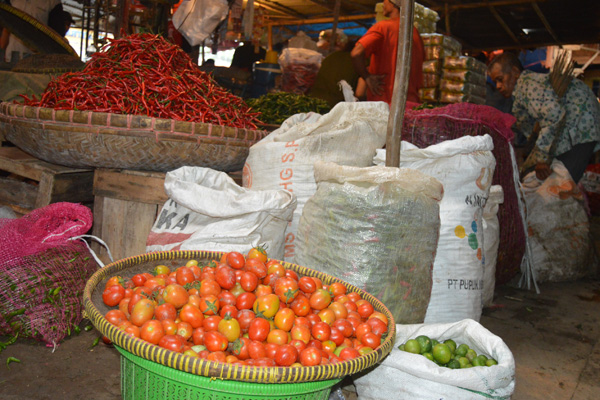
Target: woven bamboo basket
point(105, 140)
point(128, 267)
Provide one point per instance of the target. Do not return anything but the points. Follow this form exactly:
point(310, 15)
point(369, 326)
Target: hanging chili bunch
point(144, 74)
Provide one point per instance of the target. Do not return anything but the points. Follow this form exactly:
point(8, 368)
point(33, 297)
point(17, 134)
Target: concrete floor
point(554, 337)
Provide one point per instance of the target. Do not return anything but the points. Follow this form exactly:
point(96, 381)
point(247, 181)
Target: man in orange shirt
point(380, 44)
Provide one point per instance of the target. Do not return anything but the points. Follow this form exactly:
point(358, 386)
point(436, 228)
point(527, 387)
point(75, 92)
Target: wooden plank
point(18, 193)
point(144, 187)
point(16, 161)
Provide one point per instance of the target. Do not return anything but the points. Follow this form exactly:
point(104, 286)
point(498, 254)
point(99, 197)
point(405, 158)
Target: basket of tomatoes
point(205, 322)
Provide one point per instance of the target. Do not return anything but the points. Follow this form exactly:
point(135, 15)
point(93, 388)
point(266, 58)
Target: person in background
point(246, 55)
point(534, 100)
point(336, 67)
point(380, 44)
point(60, 21)
point(38, 9)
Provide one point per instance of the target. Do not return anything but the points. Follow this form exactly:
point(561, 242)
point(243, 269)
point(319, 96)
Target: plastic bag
point(465, 167)
point(463, 87)
point(428, 94)
point(464, 75)
point(299, 69)
point(465, 62)
point(491, 241)
point(432, 67)
point(433, 39)
point(454, 97)
point(376, 228)
point(302, 41)
point(207, 210)
point(436, 52)
point(197, 19)
point(349, 135)
point(558, 226)
point(431, 80)
point(406, 376)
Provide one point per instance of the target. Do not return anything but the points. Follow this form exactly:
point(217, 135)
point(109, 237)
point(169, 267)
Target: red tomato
point(165, 311)
point(142, 311)
point(258, 252)
point(172, 342)
point(130, 329)
point(348, 353)
point(209, 287)
point(266, 306)
point(371, 340)
point(320, 299)
point(276, 268)
point(315, 343)
point(310, 357)
point(244, 317)
point(286, 289)
point(185, 330)
point(184, 275)
point(198, 336)
point(241, 348)
point(301, 333)
point(139, 279)
point(259, 329)
point(340, 310)
point(176, 294)
point(344, 326)
point(228, 310)
point(211, 323)
point(226, 297)
point(191, 315)
point(248, 281)
point(256, 350)
point(361, 329)
point(114, 280)
point(337, 288)
point(321, 331)
point(263, 290)
point(377, 326)
point(124, 306)
point(230, 328)
point(210, 305)
point(271, 349)
point(327, 315)
point(215, 341)
point(291, 274)
point(353, 296)
point(278, 336)
point(218, 356)
point(113, 295)
point(257, 267)
point(284, 319)
point(379, 315)
point(298, 344)
point(307, 284)
point(265, 362)
point(116, 317)
point(364, 308)
point(225, 277)
point(194, 300)
point(286, 355)
point(245, 301)
point(313, 319)
point(235, 259)
point(169, 326)
point(301, 305)
point(152, 331)
point(336, 336)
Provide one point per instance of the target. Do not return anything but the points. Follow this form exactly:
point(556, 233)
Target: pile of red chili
point(144, 74)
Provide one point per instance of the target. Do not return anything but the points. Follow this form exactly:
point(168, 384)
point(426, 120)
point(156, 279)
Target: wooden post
point(336, 17)
point(396, 118)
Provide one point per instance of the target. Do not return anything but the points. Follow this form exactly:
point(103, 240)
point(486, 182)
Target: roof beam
point(503, 24)
point(483, 4)
point(322, 20)
point(542, 17)
point(282, 8)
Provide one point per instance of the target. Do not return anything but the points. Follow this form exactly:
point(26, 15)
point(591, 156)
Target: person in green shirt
point(336, 67)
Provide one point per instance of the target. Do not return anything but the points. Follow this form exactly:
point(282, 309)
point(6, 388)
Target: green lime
point(453, 364)
point(490, 361)
point(428, 356)
point(412, 346)
point(441, 353)
point(425, 343)
point(434, 342)
point(471, 354)
point(464, 361)
point(479, 361)
point(461, 350)
point(401, 347)
point(452, 344)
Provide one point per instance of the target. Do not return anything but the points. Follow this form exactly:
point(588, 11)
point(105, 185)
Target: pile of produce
point(245, 310)
point(276, 107)
point(447, 354)
point(144, 74)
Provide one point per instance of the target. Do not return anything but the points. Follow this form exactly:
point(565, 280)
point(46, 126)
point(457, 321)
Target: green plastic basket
point(143, 379)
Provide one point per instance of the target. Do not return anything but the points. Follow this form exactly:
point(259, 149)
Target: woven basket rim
point(213, 369)
point(51, 33)
point(125, 124)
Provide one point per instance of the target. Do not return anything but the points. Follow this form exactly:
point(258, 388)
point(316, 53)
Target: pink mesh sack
point(426, 127)
point(43, 272)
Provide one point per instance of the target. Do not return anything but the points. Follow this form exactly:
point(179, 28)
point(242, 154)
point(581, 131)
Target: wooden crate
point(27, 183)
point(126, 205)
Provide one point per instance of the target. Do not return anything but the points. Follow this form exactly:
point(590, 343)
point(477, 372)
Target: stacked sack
point(437, 48)
point(463, 80)
point(425, 19)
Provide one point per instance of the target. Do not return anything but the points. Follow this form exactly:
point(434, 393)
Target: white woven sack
point(465, 167)
point(491, 241)
point(558, 225)
point(406, 376)
point(348, 135)
point(207, 210)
